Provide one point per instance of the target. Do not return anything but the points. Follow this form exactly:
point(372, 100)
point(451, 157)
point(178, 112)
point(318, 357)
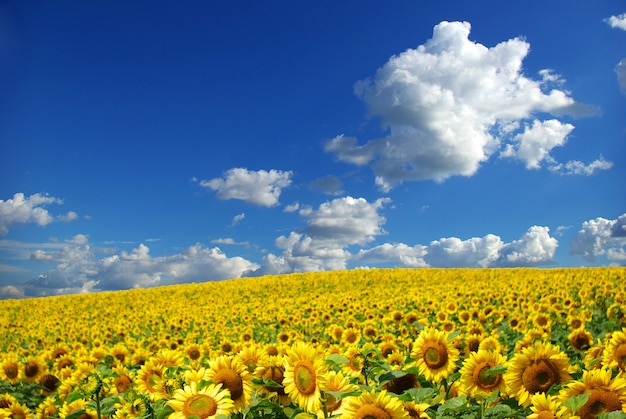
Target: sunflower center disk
point(600, 401)
point(231, 380)
point(200, 405)
point(369, 411)
point(305, 378)
point(540, 375)
point(483, 379)
point(11, 371)
point(436, 355)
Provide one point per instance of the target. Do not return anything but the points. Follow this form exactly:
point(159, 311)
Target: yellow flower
point(80, 404)
point(475, 379)
point(46, 409)
point(434, 355)
point(10, 369)
point(417, 410)
point(208, 402)
point(234, 376)
point(614, 355)
point(32, 369)
point(303, 371)
point(372, 405)
point(535, 369)
point(273, 369)
point(148, 377)
point(334, 381)
point(606, 394)
point(545, 407)
point(17, 411)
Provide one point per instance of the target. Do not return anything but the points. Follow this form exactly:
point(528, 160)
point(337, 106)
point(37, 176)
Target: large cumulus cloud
point(451, 103)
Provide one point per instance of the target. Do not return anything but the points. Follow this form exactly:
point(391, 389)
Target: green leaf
point(73, 396)
point(418, 395)
point(390, 375)
point(452, 404)
point(338, 395)
point(492, 397)
point(75, 414)
point(498, 369)
point(498, 411)
point(617, 414)
point(337, 359)
point(454, 334)
point(574, 403)
point(266, 383)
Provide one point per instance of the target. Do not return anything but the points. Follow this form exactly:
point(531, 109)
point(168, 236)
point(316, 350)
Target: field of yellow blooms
point(379, 343)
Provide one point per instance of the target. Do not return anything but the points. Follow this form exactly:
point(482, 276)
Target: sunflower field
point(377, 343)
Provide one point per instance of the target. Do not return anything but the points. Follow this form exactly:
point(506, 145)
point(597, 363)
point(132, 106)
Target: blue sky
point(149, 143)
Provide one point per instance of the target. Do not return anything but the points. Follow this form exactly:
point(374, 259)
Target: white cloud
point(237, 218)
point(79, 270)
point(618, 21)
point(330, 229)
point(600, 236)
point(22, 209)
point(448, 106)
point(230, 241)
point(533, 145)
point(454, 252)
point(575, 167)
point(534, 248)
point(409, 256)
point(256, 187)
point(10, 291)
point(292, 207)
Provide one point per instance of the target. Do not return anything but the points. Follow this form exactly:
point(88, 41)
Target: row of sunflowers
point(380, 343)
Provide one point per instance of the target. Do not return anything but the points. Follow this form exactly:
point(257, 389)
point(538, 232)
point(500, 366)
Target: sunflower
point(303, 375)
point(355, 364)
point(17, 411)
point(334, 381)
point(32, 369)
point(544, 406)
point(416, 410)
point(148, 377)
point(234, 376)
point(351, 336)
point(48, 383)
point(434, 355)
point(47, 409)
point(124, 379)
point(251, 356)
point(614, 355)
point(208, 402)
point(273, 369)
point(195, 375)
point(193, 352)
point(373, 405)
point(80, 404)
point(475, 377)
point(491, 343)
point(580, 339)
point(6, 400)
point(606, 394)
point(535, 369)
point(10, 368)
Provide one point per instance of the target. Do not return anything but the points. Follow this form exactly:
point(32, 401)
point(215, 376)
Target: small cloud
point(600, 236)
point(575, 167)
point(70, 216)
point(618, 21)
point(230, 242)
point(292, 207)
point(237, 218)
point(10, 291)
point(255, 187)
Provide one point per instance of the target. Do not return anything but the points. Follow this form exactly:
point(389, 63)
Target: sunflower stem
point(98, 405)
